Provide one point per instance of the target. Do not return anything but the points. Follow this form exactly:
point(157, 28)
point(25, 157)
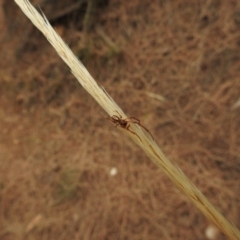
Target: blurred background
point(66, 172)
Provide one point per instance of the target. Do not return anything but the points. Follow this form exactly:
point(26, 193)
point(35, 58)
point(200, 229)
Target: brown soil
point(57, 150)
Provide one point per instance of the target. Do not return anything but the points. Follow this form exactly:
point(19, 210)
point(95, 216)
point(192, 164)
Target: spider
point(125, 123)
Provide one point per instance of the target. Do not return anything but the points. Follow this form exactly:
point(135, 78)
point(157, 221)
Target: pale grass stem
point(148, 145)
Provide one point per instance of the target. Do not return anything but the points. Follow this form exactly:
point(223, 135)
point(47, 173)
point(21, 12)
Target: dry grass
point(193, 105)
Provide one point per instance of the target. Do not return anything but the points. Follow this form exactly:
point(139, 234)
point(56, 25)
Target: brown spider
point(125, 123)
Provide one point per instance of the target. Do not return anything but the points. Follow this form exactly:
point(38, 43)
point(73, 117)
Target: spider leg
point(110, 119)
point(113, 121)
point(145, 129)
point(132, 120)
point(128, 128)
point(118, 113)
point(137, 121)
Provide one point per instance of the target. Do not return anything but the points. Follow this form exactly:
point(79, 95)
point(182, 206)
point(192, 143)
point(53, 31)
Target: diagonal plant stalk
point(142, 138)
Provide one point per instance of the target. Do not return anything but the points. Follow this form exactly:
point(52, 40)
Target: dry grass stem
point(145, 141)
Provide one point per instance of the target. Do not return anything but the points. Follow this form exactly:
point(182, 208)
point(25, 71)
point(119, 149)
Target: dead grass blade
point(142, 138)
